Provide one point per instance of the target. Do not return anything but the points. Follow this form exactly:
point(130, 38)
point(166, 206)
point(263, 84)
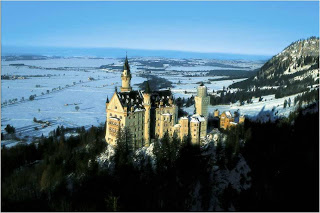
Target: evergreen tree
point(123, 149)
point(285, 103)
point(10, 129)
point(289, 102)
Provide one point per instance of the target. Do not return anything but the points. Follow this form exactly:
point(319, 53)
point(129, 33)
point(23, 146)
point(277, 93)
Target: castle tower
point(126, 77)
point(202, 101)
point(147, 106)
point(184, 122)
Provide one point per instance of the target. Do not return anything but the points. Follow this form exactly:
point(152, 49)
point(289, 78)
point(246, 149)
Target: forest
point(59, 173)
point(155, 82)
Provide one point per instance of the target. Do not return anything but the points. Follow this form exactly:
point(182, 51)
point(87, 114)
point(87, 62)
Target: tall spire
point(126, 76)
point(147, 90)
point(126, 64)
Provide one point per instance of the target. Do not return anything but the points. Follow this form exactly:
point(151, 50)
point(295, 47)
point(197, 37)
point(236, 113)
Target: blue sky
point(263, 28)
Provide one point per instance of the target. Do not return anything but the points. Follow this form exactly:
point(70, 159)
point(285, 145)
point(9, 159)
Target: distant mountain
point(120, 52)
point(296, 67)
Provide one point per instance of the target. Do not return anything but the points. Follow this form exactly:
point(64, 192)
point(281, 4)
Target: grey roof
point(131, 99)
point(161, 95)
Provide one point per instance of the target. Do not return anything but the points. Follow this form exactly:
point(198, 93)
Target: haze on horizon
point(256, 28)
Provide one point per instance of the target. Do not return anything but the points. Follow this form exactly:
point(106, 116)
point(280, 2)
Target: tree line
point(60, 173)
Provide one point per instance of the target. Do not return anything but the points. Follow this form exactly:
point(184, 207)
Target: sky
point(258, 28)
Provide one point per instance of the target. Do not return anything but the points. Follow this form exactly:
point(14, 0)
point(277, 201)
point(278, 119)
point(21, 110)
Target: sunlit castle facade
point(202, 101)
point(150, 114)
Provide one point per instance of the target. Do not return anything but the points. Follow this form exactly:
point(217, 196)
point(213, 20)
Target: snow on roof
point(114, 118)
point(139, 110)
point(131, 99)
point(228, 114)
point(198, 117)
point(202, 119)
point(194, 120)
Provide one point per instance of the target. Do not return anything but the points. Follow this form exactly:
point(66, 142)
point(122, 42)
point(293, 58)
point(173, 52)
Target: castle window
point(116, 107)
point(120, 117)
point(110, 114)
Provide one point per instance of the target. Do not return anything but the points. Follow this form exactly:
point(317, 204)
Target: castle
point(150, 114)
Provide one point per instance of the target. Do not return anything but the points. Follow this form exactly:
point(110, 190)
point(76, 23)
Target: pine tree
point(289, 102)
point(285, 103)
point(123, 150)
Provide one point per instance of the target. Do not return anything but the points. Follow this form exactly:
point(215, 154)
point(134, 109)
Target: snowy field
point(251, 110)
point(72, 91)
point(58, 95)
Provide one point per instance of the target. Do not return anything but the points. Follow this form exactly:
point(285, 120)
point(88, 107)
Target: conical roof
point(147, 90)
point(126, 65)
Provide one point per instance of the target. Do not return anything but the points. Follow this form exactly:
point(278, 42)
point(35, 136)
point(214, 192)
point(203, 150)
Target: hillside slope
point(295, 68)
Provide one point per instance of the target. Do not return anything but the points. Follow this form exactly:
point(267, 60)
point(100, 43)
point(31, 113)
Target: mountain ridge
point(120, 52)
point(297, 64)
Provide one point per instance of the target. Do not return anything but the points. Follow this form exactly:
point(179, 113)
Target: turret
point(107, 102)
point(202, 101)
point(216, 113)
point(202, 90)
point(126, 77)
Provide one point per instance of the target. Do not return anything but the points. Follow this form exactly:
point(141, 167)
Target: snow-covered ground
point(10, 143)
point(57, 106)
point(62, 84)
point(251, 110)
point(190, 85)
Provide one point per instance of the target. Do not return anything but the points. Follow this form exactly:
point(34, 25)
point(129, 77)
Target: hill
point(291, 71)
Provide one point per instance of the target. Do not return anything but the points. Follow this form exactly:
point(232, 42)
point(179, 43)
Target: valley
point(72, 91)
point(49, 89)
